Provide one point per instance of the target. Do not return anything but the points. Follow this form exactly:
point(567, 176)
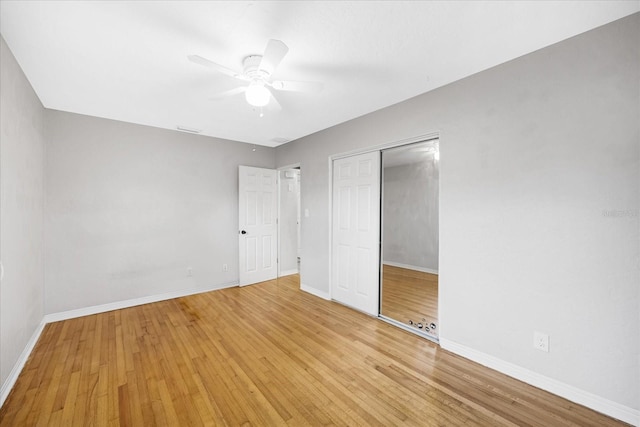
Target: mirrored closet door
point(409, 231)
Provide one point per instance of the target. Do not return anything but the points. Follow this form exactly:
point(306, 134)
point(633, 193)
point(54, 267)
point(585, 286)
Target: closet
point(384, 250)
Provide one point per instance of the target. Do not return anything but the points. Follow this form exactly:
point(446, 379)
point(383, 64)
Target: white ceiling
point(127, 60)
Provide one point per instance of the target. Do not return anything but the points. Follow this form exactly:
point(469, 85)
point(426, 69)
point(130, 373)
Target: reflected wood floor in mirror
point(263, 355)
point(409, 295)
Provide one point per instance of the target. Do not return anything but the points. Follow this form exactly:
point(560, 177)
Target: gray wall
point(22, 150)
point(130, 208)
point(410, 214)
point(289, 195)
point(535, 154)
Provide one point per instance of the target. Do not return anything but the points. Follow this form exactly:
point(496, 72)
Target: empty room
point(375, 213)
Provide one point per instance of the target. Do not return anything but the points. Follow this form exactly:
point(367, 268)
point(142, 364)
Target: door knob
point(243, 232)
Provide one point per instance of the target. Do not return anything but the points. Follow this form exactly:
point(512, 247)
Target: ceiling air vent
point(188, 129)
point(279, 140)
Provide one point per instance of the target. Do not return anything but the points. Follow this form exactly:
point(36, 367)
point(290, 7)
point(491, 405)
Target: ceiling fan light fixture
point(257, 95)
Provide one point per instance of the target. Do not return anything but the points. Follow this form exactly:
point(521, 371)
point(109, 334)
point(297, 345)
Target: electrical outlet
point(189, 271)
point(541, 341)
point(225, 267)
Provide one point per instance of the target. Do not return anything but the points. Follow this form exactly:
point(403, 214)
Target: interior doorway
point(289, 221)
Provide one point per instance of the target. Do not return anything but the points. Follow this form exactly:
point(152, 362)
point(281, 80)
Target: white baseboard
point(410, 267)
point(17, 368)
point(590, 400)
point(315, 292)
point(86, 311)
point(288, 272)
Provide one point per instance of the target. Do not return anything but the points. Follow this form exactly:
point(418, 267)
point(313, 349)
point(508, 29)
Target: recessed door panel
point(365, 168)
point(364, 208)
point(251, 254)
point(344, 171)
point(252, 208)
point(344, 218)
point(268, 208)
point(267, 258)
point(364, 260)
point(342, 267)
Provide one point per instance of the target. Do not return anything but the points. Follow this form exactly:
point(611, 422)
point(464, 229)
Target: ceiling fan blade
point(217, 67)
point(229, 92)
point(273, 104)
point(273, 54)
point(289, 86)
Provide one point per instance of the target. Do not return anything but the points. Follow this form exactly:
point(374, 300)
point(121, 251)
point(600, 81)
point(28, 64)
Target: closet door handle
point(243, 232)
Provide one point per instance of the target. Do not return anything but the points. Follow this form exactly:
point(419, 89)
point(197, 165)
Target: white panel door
point(258, 226)
point(356, 232)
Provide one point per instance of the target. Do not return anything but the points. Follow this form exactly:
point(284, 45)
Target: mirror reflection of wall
point(410, 191)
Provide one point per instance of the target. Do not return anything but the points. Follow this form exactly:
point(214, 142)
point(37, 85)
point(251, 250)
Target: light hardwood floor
point(410, 295)
point(263, 355)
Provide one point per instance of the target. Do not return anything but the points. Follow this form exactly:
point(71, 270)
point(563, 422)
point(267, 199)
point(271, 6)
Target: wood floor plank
point(267, 354)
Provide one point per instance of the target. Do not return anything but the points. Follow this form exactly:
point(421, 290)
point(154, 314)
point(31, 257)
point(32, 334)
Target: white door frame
point(412, 140)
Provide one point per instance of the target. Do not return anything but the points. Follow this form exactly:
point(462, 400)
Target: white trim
point(7, 386)
point(330, 228)
point(315, 292)
point(420, 138)
point(72, 314)
point(288, 273)
point(574, 394)
point(279, 196)
point(410, 267)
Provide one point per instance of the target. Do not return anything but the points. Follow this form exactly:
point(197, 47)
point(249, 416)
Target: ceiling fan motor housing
point(251, 69)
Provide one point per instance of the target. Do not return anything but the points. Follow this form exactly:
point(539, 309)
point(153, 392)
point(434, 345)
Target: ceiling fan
point(257, 71)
